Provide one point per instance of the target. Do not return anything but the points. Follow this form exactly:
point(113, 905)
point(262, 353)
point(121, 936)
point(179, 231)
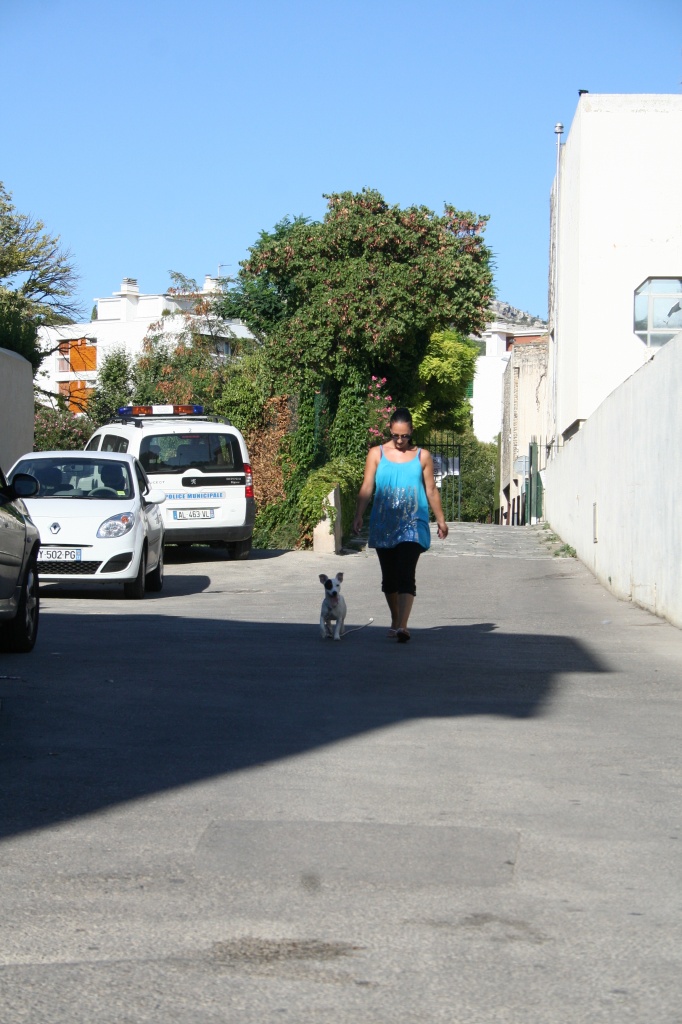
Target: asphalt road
point(210, 814)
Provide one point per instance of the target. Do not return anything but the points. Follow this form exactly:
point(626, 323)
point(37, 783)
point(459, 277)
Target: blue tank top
point(400, 511)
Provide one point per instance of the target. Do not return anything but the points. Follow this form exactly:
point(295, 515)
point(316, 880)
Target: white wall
point(487, 400)
point(620, 211)
point(626, 461)
point(16, 407)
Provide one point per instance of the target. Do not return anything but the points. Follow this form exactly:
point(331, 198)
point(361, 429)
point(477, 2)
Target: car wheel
point(135, 588)
point(155, 577)
point(240, 549)
point(19, 635)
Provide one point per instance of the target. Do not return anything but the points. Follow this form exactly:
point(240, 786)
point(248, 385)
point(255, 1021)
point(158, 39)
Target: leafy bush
point(277, 525)
point(245, 393)
point(289, 522)
point(59, 429)
point(346, 473)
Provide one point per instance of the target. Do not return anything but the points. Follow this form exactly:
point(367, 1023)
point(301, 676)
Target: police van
point(202, 465)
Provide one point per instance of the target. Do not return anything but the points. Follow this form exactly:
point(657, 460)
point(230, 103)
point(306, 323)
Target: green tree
point(478, 466)
point(178, 371)
point(37, 280)
point(246, 390)
point(115, 385)
point(438, 400)
point(363, 291)
point(263, 299)
point(18, 331)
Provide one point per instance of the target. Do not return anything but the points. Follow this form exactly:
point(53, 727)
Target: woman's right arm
point(367, 487)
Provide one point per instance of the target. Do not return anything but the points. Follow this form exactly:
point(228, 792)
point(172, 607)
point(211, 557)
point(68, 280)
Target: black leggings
point(398, 566)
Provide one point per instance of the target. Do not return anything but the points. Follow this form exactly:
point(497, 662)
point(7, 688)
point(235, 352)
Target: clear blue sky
point(153, 136)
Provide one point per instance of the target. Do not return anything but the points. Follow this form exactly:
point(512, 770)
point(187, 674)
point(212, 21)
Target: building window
point(77, 356)
point(76, 393)
point(658, 310)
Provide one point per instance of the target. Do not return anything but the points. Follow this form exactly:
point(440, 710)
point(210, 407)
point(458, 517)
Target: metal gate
point(446, 454)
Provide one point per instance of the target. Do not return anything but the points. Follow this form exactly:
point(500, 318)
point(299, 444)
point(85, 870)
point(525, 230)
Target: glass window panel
point(657, 339)
point(641, 312)
point(175, 453)
point(666, 313)
point(644, 338)
point(661, 285)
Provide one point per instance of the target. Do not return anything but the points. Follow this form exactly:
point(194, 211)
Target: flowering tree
point(380, 408)
point(346, 310)
point(361, 292)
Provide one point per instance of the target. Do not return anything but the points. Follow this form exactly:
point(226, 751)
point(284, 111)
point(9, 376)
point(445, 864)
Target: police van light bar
point(161, 410)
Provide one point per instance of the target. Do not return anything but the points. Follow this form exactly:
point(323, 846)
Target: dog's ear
point(339, 577)
point(323, 578)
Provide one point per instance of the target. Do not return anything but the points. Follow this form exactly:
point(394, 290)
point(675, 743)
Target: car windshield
point(175, 453)
point(78, 478)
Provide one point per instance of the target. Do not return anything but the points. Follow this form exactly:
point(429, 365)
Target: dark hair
point(401, 416)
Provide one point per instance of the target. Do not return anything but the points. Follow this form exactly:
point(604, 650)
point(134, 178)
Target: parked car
point(19, 546)
point(202, 465)
point(98, 518)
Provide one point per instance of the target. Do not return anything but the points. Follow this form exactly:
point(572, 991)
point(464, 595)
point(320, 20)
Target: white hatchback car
point(98, 519)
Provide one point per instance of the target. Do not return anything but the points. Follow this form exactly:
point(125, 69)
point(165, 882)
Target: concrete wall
point(16, 407)
point(620, 207)
point(621, 474)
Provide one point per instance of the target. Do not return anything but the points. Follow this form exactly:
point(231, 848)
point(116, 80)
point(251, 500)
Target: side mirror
point(23, 486)
point(155, 496)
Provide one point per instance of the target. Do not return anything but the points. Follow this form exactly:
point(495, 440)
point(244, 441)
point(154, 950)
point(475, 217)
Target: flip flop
point(402, 636)
point(392, 634)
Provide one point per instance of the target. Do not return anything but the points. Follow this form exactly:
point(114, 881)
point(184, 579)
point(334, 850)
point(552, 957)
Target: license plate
point(60, 555)
point(192, 513)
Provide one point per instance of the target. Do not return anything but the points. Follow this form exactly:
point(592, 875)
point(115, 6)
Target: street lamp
point(558, 131)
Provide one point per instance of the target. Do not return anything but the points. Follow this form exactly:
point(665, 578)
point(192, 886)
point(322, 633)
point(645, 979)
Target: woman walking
point(399, 523)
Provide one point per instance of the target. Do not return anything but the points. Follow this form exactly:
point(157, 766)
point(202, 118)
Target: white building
point(616, 261)
point(123, 320)
point(524, 416)
point(508, 325)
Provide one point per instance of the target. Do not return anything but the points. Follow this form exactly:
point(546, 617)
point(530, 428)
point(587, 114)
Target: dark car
point(19, 544)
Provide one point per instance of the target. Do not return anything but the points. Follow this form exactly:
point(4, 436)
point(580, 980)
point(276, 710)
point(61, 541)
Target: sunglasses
point(401, 437)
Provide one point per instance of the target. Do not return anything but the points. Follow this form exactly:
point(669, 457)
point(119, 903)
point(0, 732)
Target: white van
point(202, 465)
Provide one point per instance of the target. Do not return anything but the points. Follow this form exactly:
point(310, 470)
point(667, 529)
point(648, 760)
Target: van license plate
point(192, 513)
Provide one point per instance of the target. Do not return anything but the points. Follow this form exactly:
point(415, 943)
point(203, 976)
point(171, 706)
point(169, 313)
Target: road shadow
point(173, 586)
point(177, 554)
point(109, 708)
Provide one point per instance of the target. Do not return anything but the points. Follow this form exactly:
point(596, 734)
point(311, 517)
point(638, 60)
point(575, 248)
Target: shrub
point(60, 429)
point(277, 525)
point(346, 473)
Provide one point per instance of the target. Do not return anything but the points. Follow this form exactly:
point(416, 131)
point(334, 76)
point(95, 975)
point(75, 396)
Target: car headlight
point(117, 526)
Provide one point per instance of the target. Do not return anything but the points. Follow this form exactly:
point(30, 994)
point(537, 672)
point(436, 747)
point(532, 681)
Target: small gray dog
point(333, 607)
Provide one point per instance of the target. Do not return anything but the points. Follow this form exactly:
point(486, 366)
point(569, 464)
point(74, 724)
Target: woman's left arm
point(432, 493)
